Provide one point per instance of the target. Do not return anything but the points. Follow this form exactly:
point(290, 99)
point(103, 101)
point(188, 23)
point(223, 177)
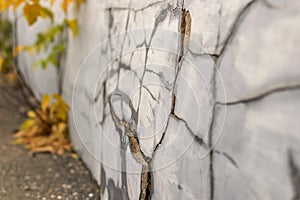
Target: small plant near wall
point(45, 128)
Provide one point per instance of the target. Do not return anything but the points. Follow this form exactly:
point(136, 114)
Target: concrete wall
point(220, 123)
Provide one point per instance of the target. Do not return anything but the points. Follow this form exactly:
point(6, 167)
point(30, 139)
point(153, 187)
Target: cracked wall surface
point(211, 113)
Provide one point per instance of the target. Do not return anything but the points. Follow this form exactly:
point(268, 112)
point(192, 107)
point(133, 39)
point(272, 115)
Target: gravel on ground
point(38, 176)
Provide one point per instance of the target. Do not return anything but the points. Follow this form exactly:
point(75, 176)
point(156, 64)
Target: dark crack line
point(118, 123)
point(216, 58)
point(219, 28)
point(177, 71)
point(228, 157)
point(110, 26)
point(231, 34)
point(122, 47)
point(150, 93)
point(160, 18)
point(162, 78)
point(269, 5)
point(194, 135)
point(235, 25)
point(295, 175)
point(185, 30)
point(135, 148)
point(210, 134)
point(173, 103)
point(162, 137)
point(104, 103)
point(172, 109)
point(261, 95)
point(195, 54)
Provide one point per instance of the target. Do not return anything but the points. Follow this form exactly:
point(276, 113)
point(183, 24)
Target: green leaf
point(45, 12)
point(44, 64)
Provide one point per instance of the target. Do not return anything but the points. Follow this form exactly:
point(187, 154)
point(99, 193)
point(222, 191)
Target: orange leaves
point(66, 3)
point(31, 13)
point(45, 129)
point(17, 3)
point(19, 49)
point(2, 5)
point(35, 10)
point(31, 9)
point(5, 4)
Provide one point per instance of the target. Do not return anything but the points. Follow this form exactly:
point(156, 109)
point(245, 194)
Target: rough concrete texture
point(148, 105)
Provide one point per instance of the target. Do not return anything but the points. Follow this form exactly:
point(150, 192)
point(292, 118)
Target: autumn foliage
point(45, 129)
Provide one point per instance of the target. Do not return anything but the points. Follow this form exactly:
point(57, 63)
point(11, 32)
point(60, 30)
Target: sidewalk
point(40, 176)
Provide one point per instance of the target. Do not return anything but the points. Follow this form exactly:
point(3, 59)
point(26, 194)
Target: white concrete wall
point(237, 89)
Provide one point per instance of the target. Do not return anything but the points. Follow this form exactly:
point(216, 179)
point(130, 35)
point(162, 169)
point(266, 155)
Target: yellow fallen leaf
point(44, 102)
point(43, 149)
point(20, 134)
point(27, 124)
point(17, 141)
point(74, 155)
point(31, 114)
point(61, 128)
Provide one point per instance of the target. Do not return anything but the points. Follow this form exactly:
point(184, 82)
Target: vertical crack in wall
point(210, 136)
point(159, 19)
point(295, 175)
point(129, 128)
point(216, 57)
point(173, 103)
